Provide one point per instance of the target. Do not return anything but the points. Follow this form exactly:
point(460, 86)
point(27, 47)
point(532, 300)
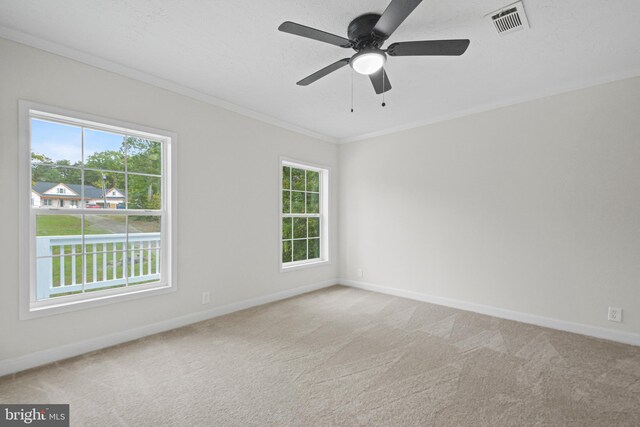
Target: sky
point(64, 142)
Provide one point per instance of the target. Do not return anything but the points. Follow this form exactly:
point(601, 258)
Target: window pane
point(103, 150)
point(55, 143)
point(58, 225)
point(141, 224)
point(144, 192)
point(106, 268)
point(104, 190)
point(286, 178)
point(313, 181)
point(314, 227)
point(299, 228)
point(55, 187)
point(59, 255)
point(107, 259)
point(297, 202)
point(104, 233)
point(58, 276)
point(297, 179)
point(144, 249)
point(287, 228)
point(286, 251)
point(101, 285)
point(286, 201)
point(144, 156)
point(299, 250)
point(313, 203)
point(314, 248)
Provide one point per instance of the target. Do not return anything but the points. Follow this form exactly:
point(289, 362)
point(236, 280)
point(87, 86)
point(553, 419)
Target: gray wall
point(533, 208)
point(228, 197)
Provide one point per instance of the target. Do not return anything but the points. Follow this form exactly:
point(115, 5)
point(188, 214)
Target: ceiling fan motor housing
point(360, 31)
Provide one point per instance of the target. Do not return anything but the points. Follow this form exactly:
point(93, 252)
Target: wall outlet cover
point(206, 297)
point(615, 314)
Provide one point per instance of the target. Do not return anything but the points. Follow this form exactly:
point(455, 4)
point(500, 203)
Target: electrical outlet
point(615, 314)
point(206, 297)
point(360, 273)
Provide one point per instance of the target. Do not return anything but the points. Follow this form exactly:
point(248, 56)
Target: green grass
point(49, 225)
point(65, 225)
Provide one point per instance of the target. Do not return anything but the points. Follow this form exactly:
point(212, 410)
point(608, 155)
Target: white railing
point(109, 260)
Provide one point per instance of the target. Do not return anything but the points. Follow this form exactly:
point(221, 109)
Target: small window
point(91, 247)
point(304, 223)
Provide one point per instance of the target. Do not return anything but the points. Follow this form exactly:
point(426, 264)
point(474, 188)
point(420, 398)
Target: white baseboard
point(10, 366)
point(32, 360)
point(562, 325)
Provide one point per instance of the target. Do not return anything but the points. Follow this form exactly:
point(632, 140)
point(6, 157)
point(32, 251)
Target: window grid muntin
point(53, 166)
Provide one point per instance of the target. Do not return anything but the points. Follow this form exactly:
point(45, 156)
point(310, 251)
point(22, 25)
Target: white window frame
point(30, 307)
point(325, 174)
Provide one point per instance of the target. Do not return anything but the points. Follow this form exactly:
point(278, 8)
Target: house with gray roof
point(61, 195)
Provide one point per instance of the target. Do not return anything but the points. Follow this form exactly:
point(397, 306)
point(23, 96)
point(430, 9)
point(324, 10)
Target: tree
point(105, 161)
point(144, 156)
point(45, 169)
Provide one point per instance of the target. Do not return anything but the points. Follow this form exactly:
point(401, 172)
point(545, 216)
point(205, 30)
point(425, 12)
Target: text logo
point(34, 415)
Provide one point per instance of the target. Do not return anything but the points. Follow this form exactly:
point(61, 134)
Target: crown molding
point(114, 67)
point(574, 86)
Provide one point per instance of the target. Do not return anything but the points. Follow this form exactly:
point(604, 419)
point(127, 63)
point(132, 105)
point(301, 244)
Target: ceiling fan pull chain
point(383, 78)
point(351, 91)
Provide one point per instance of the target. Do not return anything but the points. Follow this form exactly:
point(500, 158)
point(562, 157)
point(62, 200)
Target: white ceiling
point(231, 50)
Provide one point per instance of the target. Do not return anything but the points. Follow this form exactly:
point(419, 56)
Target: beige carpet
point(342, 356)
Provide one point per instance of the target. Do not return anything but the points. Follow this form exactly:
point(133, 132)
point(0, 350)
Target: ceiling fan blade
point(321, 73)
point(429, 47)
point(380, 81)
point(394, 15)
point(312, 33)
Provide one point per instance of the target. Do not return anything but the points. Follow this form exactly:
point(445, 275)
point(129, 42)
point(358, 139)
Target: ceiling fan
point(367, 33)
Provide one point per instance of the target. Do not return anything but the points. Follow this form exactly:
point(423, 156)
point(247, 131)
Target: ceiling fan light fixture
point(368, 61)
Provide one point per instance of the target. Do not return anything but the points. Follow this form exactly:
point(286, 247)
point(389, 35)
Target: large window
point(100, 225)
point(304, 221)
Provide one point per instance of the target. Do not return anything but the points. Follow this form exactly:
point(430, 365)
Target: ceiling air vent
point(510, 18)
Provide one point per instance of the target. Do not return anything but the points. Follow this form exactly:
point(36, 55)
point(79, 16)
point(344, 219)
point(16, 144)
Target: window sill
point(69, 306)
point(302, 265)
